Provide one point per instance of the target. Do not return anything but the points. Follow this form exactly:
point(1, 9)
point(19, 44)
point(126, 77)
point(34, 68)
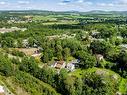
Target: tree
point(59, 50)
point(100, 47)
point(59, 55)
point(29, 65)
point(123, 60)
point(113, 54)
point(6, 67)
point(8, 42)
point(86, 59)
point(31, 41)
point(106, 32)
point(116, 41)
point(78, 86)
point(45, 57)
point(60, 81)
point(96, 85)
point(70, 85)
point(66, 53)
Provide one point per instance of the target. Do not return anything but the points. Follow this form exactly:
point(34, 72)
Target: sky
point(64, 5)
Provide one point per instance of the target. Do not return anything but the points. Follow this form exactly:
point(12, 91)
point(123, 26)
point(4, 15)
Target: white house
point(70, 67)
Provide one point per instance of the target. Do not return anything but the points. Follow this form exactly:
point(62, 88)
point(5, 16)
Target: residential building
point(59, 64)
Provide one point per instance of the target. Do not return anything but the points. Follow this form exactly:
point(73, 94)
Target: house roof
point(60, 62)
point(58, 66)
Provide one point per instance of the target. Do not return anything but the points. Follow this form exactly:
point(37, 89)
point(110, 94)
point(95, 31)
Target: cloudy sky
point(64, 5)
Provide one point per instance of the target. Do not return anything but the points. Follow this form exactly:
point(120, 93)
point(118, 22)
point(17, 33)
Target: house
point(59, 64)
point(99, 57)
point(2, 92)
point(70, 67)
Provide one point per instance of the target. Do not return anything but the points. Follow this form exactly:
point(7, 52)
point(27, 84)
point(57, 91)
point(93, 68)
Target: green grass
point(79, 72)
point(44, 18)
point(60, 22)
point(123, 86)
point(54, 20)
point(69, 59)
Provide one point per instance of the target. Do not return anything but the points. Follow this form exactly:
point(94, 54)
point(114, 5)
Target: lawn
point(123, 86)
point(79, 72)
point(44, 18)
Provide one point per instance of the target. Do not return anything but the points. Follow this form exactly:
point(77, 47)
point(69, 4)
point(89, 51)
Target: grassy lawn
point(79, 72)
point(123, 86)
point(60, 22)
point(53, 20)
point(44, 18)
point(69, 59)
point(99, 71)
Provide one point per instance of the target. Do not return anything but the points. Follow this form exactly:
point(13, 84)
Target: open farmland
point(13, 29)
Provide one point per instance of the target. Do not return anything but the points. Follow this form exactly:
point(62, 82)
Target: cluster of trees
point(90, 84)
point(61, 49)
point(113, 54)
point(6, 66)
point(33, 85)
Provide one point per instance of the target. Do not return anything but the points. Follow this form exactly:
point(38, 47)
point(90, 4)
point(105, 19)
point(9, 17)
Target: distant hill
point(95, 12)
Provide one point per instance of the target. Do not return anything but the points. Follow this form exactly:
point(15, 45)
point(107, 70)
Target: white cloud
point(80, 1)
point(61, 3)
point(88, 3)
point(2, 3)
point(105, 5)
point(23, 2)
point(123, 1)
